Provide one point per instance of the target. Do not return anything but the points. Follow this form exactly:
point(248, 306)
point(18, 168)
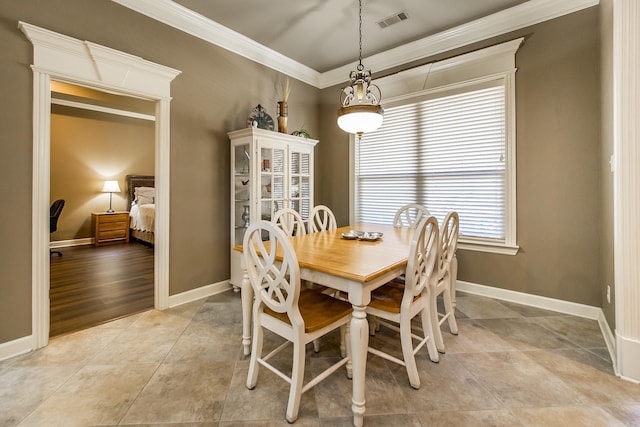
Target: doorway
point(97, 137)
point(82, 63)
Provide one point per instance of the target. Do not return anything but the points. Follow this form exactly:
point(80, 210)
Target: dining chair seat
point(317, 309)
point(389, 297)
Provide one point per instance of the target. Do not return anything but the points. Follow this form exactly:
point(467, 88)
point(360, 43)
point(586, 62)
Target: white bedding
point(143, 217)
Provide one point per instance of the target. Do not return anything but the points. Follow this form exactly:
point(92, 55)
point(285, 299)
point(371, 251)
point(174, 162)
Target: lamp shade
point(111, 187)
point(359, 119)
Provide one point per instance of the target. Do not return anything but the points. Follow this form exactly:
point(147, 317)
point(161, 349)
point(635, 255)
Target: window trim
point(455, 74)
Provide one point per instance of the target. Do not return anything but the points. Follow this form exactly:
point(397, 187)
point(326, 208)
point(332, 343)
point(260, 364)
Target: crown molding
point(514, 18)
point(520, 16)
point(190, 22)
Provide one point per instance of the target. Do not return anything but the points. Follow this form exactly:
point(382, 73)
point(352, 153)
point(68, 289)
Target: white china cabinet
point(269, 171)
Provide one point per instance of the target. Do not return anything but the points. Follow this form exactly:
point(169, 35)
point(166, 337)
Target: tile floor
point(510, 365)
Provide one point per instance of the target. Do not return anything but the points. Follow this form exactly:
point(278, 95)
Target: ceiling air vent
point(393, 19)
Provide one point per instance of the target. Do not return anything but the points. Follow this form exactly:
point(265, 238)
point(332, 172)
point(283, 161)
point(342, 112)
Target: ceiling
point(316, 41)
point(323, 34)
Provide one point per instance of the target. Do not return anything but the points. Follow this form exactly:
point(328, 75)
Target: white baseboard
point(199, 293)
point(609, 339)
point(628, 362)
point(567, 307)
point(17, 347)
point(73, 242)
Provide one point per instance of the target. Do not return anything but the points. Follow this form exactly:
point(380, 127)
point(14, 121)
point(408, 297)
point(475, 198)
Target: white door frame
point(62, 58)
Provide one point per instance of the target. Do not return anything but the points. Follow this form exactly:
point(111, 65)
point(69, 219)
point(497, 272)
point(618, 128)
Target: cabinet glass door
point(299, 188)
point(242, 191)
point(272, 181)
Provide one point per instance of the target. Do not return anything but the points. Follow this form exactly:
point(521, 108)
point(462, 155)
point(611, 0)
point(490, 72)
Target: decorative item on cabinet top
point(260, 118)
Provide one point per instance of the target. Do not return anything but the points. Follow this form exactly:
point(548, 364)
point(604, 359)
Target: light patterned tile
point(566, 416)
point(24, 388)
point(72, 349)
point(494, 418)
point(475, 307)
point(524, 334)
point(181, 393)
point(589, 375)
point(95, 395)
point(517, 380)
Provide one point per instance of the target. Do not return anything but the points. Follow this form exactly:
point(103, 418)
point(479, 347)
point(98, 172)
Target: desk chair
point(54, 213)
point(279, 306)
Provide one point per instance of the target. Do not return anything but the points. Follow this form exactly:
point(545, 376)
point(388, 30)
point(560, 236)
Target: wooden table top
point(357, 260)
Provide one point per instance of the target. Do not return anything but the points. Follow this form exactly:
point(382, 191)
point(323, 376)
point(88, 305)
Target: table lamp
point(110, 187)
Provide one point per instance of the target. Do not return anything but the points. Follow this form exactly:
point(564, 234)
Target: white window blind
point(446, 153)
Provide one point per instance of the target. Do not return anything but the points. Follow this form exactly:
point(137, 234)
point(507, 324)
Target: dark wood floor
point(92, 285)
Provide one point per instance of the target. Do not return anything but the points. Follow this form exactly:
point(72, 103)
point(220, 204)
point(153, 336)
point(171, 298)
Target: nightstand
point(110, 227)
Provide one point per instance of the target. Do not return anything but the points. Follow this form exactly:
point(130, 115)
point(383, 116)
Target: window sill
point(495, 248)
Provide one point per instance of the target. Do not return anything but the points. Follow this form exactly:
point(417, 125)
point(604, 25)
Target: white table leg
point(247, 302)
point(359, 335)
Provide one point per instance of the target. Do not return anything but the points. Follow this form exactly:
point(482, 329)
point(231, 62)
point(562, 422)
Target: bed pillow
point(145, 195)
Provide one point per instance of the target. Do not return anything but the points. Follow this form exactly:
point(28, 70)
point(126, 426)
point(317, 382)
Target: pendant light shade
point(361, 111)
point(360, 118)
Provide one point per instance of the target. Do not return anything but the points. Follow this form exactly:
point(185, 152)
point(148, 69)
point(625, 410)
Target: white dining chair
point(446, 275)
point(410, 215)
point(395, 304)
point(281, 307)
point(321, 219)
point(290, 221)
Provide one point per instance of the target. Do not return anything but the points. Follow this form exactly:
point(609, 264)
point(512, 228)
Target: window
point(447, 148)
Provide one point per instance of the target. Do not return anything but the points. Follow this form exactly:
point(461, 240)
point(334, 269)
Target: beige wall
point(88, 147)
point(213, 95)
point(559, 162)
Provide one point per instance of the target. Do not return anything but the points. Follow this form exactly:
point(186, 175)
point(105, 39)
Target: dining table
point(353, 265)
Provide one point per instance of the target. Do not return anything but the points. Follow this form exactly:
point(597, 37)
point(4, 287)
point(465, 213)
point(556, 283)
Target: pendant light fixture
point(361, 111)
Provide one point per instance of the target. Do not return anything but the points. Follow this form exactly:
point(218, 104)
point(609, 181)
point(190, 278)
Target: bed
point(142, 208)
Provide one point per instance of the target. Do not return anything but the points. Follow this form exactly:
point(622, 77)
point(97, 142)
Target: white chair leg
point(297, 377)
point(453, 277)
point(345, 338)
point(316, 346)
point(407, 352)
point(373, 321)
point(435, 323)
point(427, 328)
point(256, 352)
point(450, 311)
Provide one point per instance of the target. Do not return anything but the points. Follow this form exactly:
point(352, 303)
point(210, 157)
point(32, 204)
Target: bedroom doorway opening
point(62, 58)
point(101, 272)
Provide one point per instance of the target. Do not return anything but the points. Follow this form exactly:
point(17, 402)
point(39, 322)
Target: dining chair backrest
point(321, 219)
point(410, 215)
point(422, 264)
point(290, 222)
point(449, 232)
point(275, 284)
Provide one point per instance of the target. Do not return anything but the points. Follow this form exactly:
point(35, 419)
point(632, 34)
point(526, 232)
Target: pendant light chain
point(360, 111)
point(360, 66)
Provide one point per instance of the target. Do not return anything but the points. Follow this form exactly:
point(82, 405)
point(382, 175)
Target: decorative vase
point(282, 116)
point(246, 215)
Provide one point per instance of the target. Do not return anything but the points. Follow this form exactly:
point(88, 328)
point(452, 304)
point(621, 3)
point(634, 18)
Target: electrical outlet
point(609, 294)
